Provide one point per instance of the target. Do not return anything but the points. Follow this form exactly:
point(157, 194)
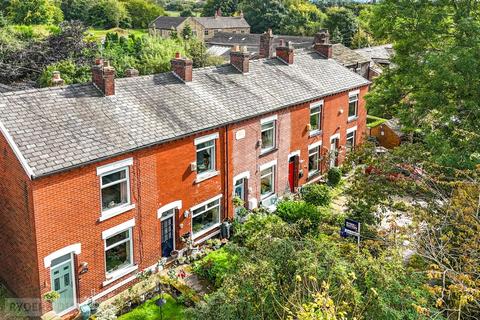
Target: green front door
point(63, 283)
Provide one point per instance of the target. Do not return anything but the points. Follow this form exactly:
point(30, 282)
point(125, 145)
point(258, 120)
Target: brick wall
point(67, 209)
point(18, 259)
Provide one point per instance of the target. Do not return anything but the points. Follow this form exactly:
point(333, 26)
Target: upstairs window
point(206, 156)
point(316, 117)
point(115, 189)
point(268, 134)
point(353, 106)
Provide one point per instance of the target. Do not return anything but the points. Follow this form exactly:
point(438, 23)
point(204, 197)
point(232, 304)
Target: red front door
point(291, 174)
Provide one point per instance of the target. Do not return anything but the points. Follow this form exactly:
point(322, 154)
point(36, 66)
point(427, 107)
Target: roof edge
point(16, 150)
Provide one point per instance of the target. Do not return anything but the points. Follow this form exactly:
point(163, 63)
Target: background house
point(202, 27)
point(388, 133)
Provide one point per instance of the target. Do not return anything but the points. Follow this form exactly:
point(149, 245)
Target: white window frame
point(353, 96)
point(212, 172)
point(350, 131)
point(266, 121)
point(314, 105)
point(115, 275)
point(271, 165)
point(123, 165)
point(204, 204)
point(315, 146)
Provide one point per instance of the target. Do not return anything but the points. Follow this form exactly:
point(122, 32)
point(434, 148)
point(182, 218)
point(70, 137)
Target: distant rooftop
point(222, 42)
point(219, 22)
point(167, 23)
point(379, 54)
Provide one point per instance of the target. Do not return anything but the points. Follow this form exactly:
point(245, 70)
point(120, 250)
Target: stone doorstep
point(50, 316)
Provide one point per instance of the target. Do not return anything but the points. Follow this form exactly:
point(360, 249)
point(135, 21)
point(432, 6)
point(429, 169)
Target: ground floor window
point(351, 141)
point(119, 251)
point(313, 160)
point(267, 182)
point(205, 217)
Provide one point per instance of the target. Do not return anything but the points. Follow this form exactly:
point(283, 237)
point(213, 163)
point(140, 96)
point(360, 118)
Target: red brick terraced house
point(98, 181)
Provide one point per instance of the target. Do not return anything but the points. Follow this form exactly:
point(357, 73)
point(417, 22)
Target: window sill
point(267, 152)
point(116, 211)
point(313, 176)
point(270, 202)
point(201, 233)
point(114, 276)
point(315, 133)
point(206, 175)
point(351, 119)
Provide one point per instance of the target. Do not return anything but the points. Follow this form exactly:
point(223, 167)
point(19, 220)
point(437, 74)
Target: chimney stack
point(103, 76)
point(285, 52)
point(182, 67)
point(266, 44)
point(322, 45)
point(57, 81)
point(240, 59)
point(131, 72)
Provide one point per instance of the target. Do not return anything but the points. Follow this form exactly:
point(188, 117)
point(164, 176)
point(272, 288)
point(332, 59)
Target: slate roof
point(379, 54)
point(221, 40)
point(167, 23)
point(59, 128)
point(222, 22)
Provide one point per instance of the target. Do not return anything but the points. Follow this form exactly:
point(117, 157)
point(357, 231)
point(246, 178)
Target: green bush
point(334, 176)
point(305, 214)
point(316, 194)
point(108, 14)
point(69, 71)
point(216, 266)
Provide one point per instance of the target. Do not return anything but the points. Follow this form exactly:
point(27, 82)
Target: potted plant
point(51, 296)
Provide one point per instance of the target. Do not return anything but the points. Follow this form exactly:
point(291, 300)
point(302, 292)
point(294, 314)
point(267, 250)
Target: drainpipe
point(226, 168)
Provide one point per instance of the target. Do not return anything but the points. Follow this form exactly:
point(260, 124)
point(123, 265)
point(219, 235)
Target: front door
point(293, 173)
point(63, 282)
point(334, 152)
point(240, 192)
point(167, 236)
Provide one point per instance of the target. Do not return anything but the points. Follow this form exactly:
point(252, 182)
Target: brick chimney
point(266, 44)
point(182, 67)
point(285, 52)
point(240, 59)
point(57, 81)
point(322, 45)
point(131, 72)
point(103, 76)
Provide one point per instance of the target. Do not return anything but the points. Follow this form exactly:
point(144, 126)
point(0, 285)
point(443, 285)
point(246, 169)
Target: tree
point(265, 14)
point(433, 88)
point(76, 9)
point(304, 18)
point(142, 12)
point(343, 20)
point(34, 12)
point(187, 12)
point(228, 7)
point(187, 32)
point(108, 14)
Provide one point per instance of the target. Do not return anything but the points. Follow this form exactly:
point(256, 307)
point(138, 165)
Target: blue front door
point(167, 236)
point(63, 282)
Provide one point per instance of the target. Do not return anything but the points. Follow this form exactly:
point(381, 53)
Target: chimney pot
point(322, 44)
point(131, 72)
point(57, 79)
point(182, 68)
point(240, 59)
point(285, 52)
point(266, 44)
point(103, 76)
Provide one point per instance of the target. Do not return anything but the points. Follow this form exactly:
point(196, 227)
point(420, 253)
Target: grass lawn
point(172, 310)
point(100, 33)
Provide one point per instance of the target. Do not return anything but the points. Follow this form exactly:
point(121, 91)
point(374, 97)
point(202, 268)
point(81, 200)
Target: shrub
point(69, 71)
point(216, 266)
point(108, 14)
point(316, 194)
point(334, 176)
point(305, 214)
